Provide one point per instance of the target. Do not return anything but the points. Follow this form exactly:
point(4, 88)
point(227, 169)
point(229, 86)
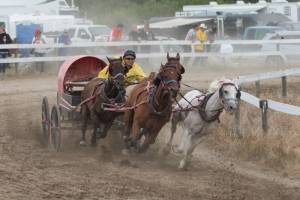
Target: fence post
point(55, 54)
point(277, 48)
point(263, 104)
point(237, 131)
point(16, 55)
point(93, 40)
point(240, 49)
point(168, 44)
point(284, 86)
point(257, 88)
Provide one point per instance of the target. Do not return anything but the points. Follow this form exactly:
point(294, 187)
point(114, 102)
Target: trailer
point(289, 9)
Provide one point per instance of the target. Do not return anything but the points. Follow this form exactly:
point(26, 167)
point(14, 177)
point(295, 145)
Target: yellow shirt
point(135, 73)
point(201, 36)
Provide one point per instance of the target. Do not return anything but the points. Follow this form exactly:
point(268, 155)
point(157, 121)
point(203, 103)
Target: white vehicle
point(289, 9)
point(50, 23)
point(271, 60)
point(88, 33)
point(53, 7)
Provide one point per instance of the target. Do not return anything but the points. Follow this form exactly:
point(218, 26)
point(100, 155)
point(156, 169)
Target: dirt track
point(30, 169)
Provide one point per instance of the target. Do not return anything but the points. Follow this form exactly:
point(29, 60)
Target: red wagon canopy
point(79, 69)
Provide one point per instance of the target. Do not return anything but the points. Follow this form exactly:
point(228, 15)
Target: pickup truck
point(290, 26)
point(88, 33)
point(257, 33)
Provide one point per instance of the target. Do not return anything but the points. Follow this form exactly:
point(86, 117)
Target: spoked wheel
point(45, 119)
point(55, 127)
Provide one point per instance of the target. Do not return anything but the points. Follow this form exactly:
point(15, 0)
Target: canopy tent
point(173, 23)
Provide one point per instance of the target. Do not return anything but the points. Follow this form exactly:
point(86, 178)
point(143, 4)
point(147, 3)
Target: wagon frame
point(65, 114)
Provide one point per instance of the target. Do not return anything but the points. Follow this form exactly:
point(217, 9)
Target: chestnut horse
point(97, 92)
point(152, 102)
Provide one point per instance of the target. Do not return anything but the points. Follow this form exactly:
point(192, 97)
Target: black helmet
point(129, 52)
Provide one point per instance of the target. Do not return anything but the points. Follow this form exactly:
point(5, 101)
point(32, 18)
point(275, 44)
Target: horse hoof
point(166, 151)
point(184, 168)
point(82, 143)
point(100, 135)
point(176, 150)
point(93, 142)
point(136, 150)
point(125, 152)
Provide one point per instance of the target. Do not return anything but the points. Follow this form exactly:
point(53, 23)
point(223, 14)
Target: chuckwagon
point(73, 75)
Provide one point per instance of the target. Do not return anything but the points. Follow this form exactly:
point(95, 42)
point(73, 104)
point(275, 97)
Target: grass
point(279, 149)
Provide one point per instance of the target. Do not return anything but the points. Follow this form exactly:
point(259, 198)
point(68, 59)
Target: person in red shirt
point(116, 36)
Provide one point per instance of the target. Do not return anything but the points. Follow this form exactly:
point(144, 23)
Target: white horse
point(201, 115)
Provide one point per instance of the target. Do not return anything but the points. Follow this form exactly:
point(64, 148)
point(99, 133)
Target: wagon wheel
point(55, 127)
point(45, 119)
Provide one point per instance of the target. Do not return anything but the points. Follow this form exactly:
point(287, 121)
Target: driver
point(135, 73)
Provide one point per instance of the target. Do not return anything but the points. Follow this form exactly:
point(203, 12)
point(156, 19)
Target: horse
point(200, 113)
point(97, 92)
point(152, 102)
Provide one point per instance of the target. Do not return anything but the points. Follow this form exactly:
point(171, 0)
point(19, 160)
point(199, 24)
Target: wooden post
point(263, 104)
point(93, 40)
point(204, 59)
point(237, 131)
point(283, 86)
point(16, 55)
point(240, 50)
point(55, 54)
point(257, 88)
point(277, 49)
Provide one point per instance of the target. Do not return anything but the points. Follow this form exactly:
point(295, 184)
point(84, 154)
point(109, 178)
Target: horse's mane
point(216, 84)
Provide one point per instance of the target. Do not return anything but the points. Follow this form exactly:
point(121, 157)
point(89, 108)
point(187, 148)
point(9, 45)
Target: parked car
point(273, 60)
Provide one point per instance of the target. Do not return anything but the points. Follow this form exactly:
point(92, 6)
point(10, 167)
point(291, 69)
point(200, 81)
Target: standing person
point(39, 52)
point(65, 39)
point(116, 35)
point(226, 48)
point(134, 35)
point(190, 36)
point(4, 53)
point(147, 35)
point(199, 48)
point(210, 35)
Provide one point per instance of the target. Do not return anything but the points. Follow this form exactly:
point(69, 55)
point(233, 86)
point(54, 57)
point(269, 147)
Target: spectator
point(210, 35)
point(134, 35)
point(199, 48)
point(4, 53)
point(65, 39)
point(39, 52)
point(226, 48)
point(116, 35)
point(147, 35)
point(190, 36)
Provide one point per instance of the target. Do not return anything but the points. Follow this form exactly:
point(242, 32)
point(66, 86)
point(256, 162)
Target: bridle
point(112, 79)
point(222, 96)
point(166, 83)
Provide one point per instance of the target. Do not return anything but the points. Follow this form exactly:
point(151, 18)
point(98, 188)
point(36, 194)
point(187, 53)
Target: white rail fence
point(265, 104)
point(162, 53)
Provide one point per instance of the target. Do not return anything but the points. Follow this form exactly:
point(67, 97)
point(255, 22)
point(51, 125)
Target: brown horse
point(153, 105)
point(97, 92)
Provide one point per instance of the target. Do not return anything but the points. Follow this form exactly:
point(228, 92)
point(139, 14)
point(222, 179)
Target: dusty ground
point(30, 169)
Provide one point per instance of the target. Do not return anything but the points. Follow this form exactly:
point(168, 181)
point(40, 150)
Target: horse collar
point(104, 97)
point(151, 100)
point(202, 113)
